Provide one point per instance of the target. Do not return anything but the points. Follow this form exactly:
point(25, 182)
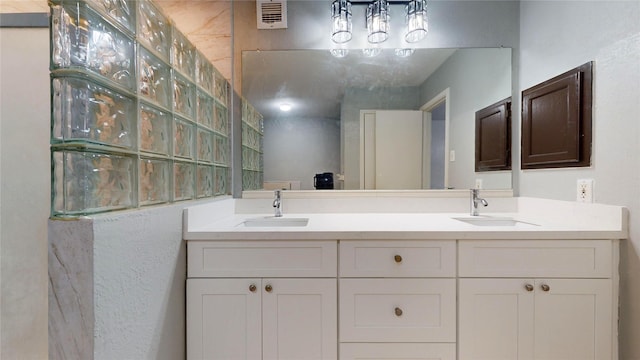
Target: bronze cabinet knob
point(397, 258)
point(252, 288)
point(545, 287)
point(268, 288)
point(528, 287)
point(398, 311)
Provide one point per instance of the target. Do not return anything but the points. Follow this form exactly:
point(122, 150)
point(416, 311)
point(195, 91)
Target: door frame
point(427, 108)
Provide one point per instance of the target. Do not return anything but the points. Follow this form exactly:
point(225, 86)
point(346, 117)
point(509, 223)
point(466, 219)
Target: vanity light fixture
point(341, 18)
point(378, 20)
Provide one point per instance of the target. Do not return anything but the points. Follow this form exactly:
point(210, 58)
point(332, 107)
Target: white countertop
point(560, 221)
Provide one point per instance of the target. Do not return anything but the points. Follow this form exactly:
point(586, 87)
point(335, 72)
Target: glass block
point(222, 150)
point(220, 88)
point(183, 180)
point(221, 180)
point(155, 129)
point(183, 138)
point(205, 145)
point(84, 111)
point(184, 96)
point(80, 38)
point(205, 109)
point(154, 80)
point(90, 182)
point(154, 182)
point(153, 28)
point(120, 11)
point(221, 124)
point(183, 54)
point(204, 72)
point(205, 181)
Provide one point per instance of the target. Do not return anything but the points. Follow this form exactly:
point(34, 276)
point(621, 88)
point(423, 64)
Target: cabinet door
point(299, 319)
point(496, 319)
point(573, 319)
point(223, 319)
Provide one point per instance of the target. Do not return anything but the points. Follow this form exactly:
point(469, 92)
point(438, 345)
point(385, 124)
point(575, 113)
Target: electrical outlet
point(585, 190)
point(478, 183)
point(452, 155)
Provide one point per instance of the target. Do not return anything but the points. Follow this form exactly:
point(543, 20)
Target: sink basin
point(275, 222)
point(493, 221)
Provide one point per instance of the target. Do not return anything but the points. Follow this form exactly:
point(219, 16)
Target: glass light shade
point(378, 21)
point(417, 23)
point(404, 52)
point(341, 19)
point(371, 52)
point(339, 53)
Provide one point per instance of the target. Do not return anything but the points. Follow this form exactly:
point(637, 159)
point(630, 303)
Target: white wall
point(295, 149)
point(24, 183)
point(556, 36)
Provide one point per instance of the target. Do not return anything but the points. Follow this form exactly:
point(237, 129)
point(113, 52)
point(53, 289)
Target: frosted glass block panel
point(183, 138)
point(205, 145)
point(80, 38)
point(222, 150)
point(205, 181)
point(205, 109)
point(183, 180)
point(251, 180)
point(154, 81)
point(222, 120)
point(154, 175)
point(153, 28)
point(221, 180)
point(204, 72)
point(120, 11)
point(90, 182)
point(155, 129)
point(220, 88)
point(183, 54)
point(84, 111)
point(184, 97)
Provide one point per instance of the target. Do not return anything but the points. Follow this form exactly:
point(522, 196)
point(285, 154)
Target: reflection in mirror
point(336, 125)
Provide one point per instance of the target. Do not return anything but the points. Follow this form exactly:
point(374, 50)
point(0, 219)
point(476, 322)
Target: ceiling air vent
point(272, 14)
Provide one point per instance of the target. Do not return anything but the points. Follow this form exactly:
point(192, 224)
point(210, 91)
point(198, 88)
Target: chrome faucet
point(475, 200)
point(277, 203)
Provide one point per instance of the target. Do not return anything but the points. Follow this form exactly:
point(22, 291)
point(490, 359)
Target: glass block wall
point(138, 115)
point(252, 152)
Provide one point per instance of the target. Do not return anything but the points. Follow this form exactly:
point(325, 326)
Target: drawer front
point(262, 259)
point(370, 351)
point(392, 258)
point(535, 258)
point(397, 310)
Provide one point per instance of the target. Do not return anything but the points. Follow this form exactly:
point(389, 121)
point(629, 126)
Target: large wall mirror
point(350, 116)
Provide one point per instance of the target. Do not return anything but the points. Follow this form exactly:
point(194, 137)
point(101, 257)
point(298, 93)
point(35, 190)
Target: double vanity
point(402, 276)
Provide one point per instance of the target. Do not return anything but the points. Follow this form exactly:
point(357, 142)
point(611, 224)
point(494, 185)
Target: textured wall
point(557, 36)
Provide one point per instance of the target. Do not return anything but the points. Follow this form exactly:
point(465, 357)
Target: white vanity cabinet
point(537, 299)
point(262, 300)
point(397, 299)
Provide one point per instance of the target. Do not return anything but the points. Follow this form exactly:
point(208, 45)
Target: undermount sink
point(272, 221)
point(493, 221)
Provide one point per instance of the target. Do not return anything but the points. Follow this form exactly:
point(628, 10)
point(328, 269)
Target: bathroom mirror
point(324, 131)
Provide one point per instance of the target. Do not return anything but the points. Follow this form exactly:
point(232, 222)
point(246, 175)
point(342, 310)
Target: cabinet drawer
point(535, 258)
point(262, 259)
point(397, 310)
point(369, 351)
point(391, 258)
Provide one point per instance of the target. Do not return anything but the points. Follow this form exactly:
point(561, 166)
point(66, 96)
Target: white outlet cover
point(584, 190)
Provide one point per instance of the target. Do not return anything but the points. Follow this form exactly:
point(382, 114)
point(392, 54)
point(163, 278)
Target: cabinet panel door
point(496, 319)
point(300, 319)
point(223, 319)
point(573, 319)
point(397, 310)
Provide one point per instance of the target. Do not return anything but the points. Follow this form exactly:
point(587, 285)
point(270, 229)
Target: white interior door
point(392, 149)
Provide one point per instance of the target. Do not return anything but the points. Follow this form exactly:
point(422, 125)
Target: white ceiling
point(314, 82)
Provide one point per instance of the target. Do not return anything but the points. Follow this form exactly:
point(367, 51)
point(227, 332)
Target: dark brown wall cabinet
point(493, 137)
point(556, 121)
